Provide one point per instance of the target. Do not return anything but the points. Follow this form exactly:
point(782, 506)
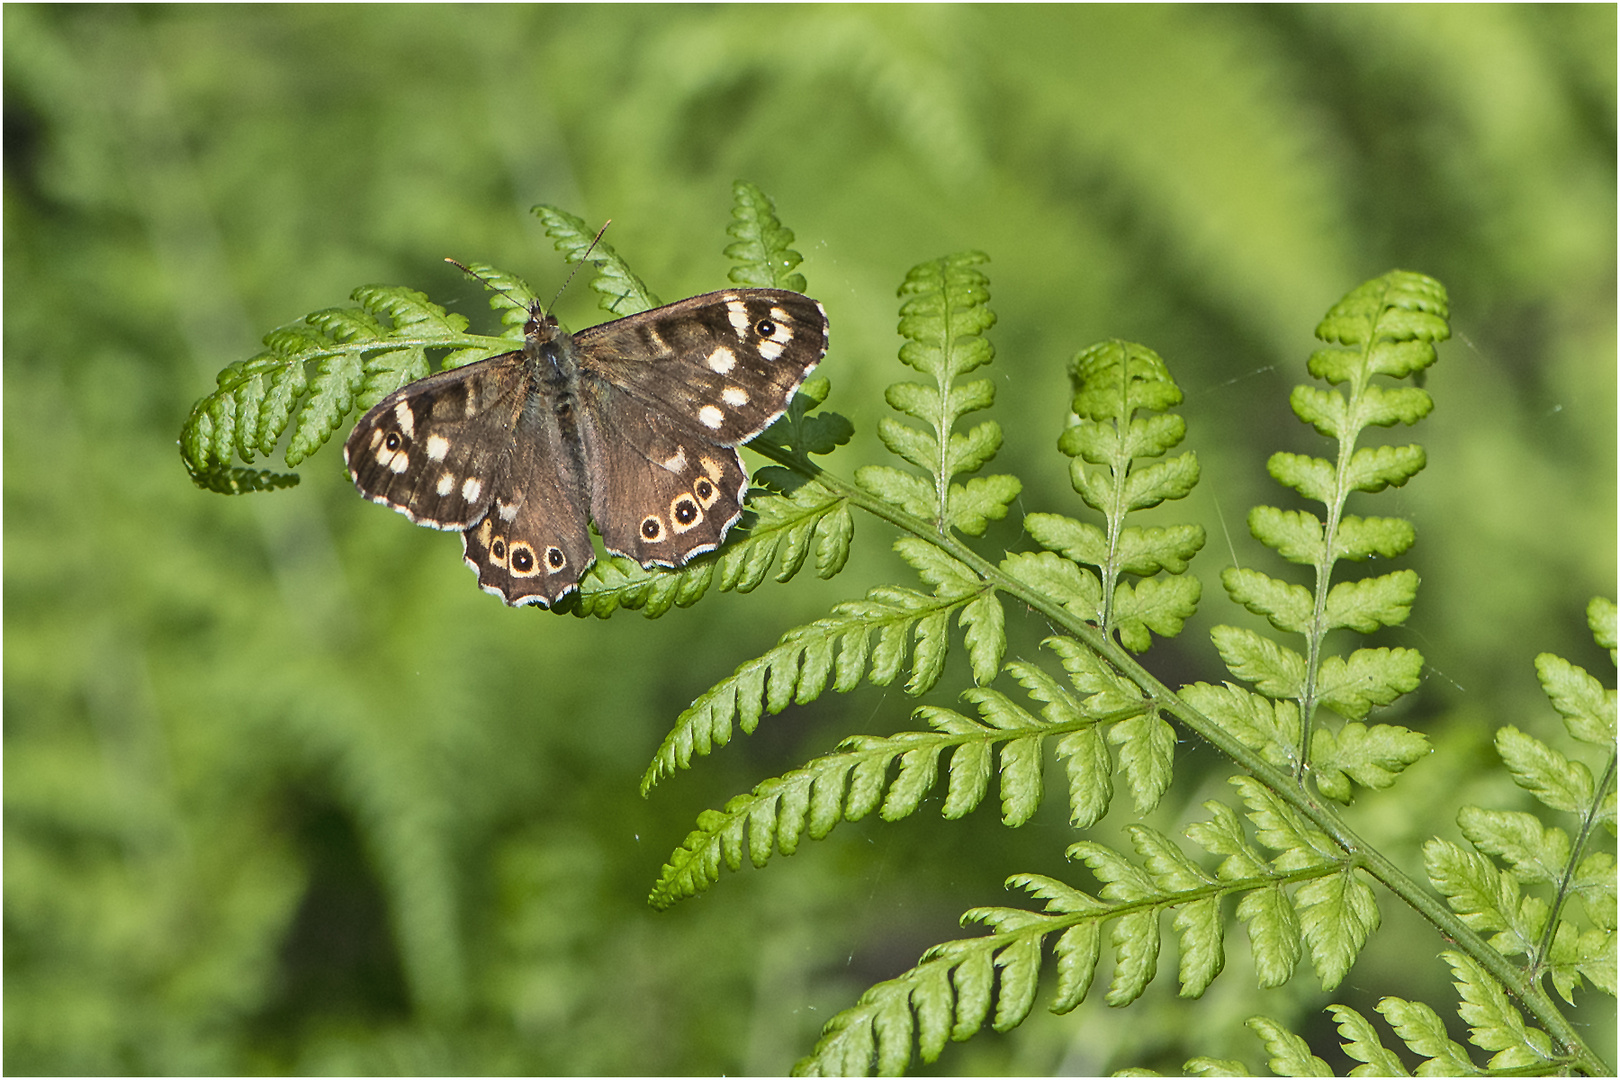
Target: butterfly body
point(632, 424)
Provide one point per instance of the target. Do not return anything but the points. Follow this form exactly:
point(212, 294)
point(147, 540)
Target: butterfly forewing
point(433, 449)
point(724, 364)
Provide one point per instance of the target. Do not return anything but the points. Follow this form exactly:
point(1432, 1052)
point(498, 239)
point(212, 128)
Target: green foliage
point(762, 249)
point(1311, 892)
point(854, 781)
point(285, 795)
point(1390, 326)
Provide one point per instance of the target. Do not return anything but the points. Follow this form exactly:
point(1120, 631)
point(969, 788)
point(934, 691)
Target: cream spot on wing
point(722, 360)
point(712, 468)
point(506, 510)
point(396, 464)
point(709, 417)
point(735, 396)
point(437, 447)
point(782, 333)
point(406, 418)
point(471, 489)
point(677, 463)
point(737, 312)
point(447, 484)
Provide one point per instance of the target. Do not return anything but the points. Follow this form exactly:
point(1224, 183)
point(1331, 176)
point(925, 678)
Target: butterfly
point(632, 425)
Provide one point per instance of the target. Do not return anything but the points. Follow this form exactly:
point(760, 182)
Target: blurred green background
point(285, 792)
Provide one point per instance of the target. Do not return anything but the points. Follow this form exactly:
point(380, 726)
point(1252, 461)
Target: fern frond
point(1114, 382)
point(953, 985)
point(785, 526)
point(315, 373)
point(1543, 928)
point(620, 291)
point(1385, 329)
point(854, 780)
point(943, 316)
point(837, 650)
point(951, 990)
point(844, 785)
point(762, 248)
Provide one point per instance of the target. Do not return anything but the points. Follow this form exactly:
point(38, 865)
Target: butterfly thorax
point(552, 354)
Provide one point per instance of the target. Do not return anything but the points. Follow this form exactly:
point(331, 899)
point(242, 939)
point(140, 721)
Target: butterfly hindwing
point(532, 545)
point(659, 493)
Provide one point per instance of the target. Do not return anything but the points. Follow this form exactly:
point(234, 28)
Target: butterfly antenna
point(488, 284)
point(582, 260)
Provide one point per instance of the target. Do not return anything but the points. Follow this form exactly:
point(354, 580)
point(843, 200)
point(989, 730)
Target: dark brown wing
point(532, 545)
point(433, 449)
point(660, 493)
point(724, 364)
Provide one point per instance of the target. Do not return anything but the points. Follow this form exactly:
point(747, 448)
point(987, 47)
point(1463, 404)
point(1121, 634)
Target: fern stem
point(944, 422)
point(1324, 575)
point(1561, 895)
point(1114, 521)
